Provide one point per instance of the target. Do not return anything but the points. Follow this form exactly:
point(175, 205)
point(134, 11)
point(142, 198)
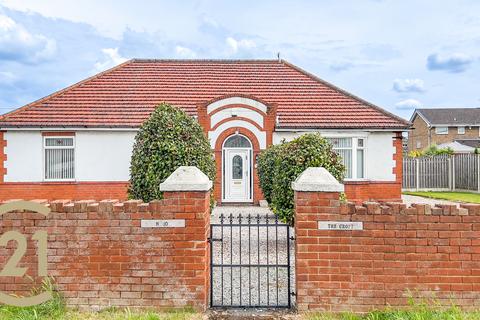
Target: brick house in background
point(77, 142)
point(446, 126)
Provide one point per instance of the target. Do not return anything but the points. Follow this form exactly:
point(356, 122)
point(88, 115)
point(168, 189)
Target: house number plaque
point(174, 223)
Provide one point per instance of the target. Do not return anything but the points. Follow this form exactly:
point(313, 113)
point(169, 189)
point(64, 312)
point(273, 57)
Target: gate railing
point(442, 172)
point(250, 262)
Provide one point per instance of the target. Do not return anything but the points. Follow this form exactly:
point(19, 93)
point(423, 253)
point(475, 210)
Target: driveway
point(408, 200)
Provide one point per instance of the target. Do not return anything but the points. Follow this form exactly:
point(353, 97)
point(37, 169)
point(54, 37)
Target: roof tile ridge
point(61, 91)
point(334, 87)
point(140, 60)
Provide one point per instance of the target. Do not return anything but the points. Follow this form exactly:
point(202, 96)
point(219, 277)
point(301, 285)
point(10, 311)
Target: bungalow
point(76, 143)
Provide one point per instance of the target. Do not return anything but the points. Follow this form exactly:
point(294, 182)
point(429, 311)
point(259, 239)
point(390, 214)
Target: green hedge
point(280, 165)
point(167, 140)
point(265, 168)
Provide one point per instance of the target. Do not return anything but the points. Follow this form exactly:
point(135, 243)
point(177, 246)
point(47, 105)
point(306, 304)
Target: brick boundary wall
point(100, 256)
point(402, 252)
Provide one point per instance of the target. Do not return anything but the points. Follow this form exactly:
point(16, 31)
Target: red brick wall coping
point(398, 208)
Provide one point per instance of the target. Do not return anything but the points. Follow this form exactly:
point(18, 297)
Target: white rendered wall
point(24, 156)
point(103, 156)
point(379, 150)
point(99, 155)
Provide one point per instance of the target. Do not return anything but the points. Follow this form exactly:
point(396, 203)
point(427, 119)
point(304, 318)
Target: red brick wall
point(398, 157)
point(418, 251)
point(373, 190)
point(3, 156)
point(63, 190)
point(100, 256)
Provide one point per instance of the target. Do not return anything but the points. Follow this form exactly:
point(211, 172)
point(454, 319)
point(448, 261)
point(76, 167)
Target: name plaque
point(173, 223)
point(340, 225)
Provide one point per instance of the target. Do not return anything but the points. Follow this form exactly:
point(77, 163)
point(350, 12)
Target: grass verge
point(55, 309)
point(444, 195)
point(417, 312)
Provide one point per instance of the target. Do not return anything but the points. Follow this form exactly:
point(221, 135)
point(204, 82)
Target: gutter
point(18, 128)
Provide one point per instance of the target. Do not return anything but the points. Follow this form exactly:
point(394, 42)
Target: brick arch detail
point(231, 131)
point(237, 118)
point(235, 95)
point(257, 192)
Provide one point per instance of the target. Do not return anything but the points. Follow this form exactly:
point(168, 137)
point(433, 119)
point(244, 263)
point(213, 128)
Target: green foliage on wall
point(280, 165)
point(167, 140)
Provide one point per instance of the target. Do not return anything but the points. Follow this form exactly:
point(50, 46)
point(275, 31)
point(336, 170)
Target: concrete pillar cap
point(186, 178)
point(317, 179)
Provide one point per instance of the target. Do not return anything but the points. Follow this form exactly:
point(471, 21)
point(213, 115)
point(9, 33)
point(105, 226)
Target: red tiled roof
point(124, 96)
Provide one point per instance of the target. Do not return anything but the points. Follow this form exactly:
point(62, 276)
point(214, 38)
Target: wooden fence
point(443, 172)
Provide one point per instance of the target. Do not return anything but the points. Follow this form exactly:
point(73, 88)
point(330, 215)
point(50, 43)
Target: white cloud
point(185, 52)
point(408, 85)
point(111, 59)
point(18, 44)
point(408, 104)
point(236, 45)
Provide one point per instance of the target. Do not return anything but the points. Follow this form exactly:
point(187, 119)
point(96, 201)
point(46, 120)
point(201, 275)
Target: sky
point(399, 55)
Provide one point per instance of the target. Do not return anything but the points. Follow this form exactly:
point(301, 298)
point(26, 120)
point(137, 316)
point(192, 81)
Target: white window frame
point(438, 131)
point(62, 147)
point(461, 130)
point(354, 149)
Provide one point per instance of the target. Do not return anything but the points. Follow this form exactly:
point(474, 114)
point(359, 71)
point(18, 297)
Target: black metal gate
point(250, 262)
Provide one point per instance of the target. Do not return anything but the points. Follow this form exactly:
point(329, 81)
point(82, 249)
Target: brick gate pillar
point(317, 195)
point(187, 196)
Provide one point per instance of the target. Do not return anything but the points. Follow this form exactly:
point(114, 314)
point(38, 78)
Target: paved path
point(408, 199)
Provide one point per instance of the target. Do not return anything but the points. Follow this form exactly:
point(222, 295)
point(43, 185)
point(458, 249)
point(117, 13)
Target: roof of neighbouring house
point(125, 95)
point(474, 143)
point(449, 116)
point(457, 147)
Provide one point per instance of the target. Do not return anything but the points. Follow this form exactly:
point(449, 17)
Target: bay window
point(59, 158)
point(352, 152)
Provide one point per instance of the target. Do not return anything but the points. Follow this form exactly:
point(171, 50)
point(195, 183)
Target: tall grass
point(51, 309)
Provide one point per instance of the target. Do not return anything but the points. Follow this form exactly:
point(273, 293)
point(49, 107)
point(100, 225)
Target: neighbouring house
point(445, 126)
point(77, 142)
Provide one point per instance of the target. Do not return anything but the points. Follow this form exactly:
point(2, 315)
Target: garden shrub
point(167, 140)
point(280, 165)
point(265, 168)
point(431, 151)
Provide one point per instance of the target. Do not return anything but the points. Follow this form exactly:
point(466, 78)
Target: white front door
point(237, 175)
